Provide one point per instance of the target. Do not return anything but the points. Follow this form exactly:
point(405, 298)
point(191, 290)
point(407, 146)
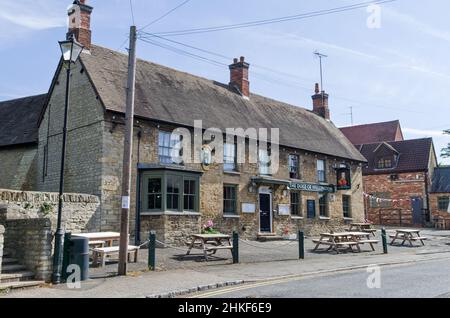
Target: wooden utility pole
point(127, 155)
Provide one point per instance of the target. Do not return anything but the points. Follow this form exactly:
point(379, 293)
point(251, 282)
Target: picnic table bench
point(407, 235)
point(334, 241)
point(100, 254)
point(94, 238)
point(362, 227)
point(210, 243)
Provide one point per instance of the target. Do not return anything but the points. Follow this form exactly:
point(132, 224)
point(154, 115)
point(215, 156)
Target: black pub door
point(264, 213)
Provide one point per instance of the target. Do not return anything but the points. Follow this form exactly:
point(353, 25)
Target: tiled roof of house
point(413, 155)
point(168, 95)
point(371, 133)
point(19, 120)
point(441, 180)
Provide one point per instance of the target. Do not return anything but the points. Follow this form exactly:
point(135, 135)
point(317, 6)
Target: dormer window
point(385, 163)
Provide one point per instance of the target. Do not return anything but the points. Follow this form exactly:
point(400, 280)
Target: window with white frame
point(229, 157)
point(169, 148)
point(321, 171)
point(294, 171)
point(264, 162)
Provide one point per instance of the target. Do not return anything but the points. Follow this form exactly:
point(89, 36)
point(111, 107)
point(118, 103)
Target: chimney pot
point(317, 90)
point(242, 59)
point(235, 61)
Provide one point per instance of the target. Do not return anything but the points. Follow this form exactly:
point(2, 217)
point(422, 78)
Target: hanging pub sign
point(343, 179)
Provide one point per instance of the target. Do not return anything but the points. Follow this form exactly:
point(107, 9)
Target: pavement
point(259, 262)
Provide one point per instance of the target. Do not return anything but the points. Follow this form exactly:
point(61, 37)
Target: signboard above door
point(311, 187)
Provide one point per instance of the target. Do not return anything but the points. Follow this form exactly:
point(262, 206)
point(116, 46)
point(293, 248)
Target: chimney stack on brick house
point(239, 76)
point(320, 103)
point(80, 22)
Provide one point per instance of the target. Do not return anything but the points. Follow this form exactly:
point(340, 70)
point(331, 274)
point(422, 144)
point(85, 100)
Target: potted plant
point(208, 228)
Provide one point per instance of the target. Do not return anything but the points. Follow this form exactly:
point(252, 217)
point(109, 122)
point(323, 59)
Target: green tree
point(446, 151)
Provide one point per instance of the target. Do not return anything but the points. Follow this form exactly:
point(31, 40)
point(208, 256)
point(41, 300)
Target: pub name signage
point(310, 187)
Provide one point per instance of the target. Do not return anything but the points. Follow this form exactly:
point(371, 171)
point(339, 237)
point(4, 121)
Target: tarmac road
point(417, 280)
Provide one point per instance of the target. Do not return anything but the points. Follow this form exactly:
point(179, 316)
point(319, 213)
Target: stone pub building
point(318, 185)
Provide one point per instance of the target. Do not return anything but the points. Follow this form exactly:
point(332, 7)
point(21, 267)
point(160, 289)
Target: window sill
point(348, 219)
point(233, 173)
point(324, 218)
point(231, 216)
point(297, 217)
point(171, 213)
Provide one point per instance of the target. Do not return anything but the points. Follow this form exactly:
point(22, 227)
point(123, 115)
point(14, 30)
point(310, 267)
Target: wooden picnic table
point(107, 237)
point(362, 227)
point(334, 241)
point(210, 243)
point(407, 235)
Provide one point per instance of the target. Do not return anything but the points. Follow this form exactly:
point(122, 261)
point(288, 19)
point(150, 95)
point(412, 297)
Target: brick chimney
point(239, 76)
point(320, 103)
point(80, 22)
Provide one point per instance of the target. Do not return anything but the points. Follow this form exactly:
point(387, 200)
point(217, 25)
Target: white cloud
point(417, 25)
point(34, 15)
point(293, 40)
point(424, 132)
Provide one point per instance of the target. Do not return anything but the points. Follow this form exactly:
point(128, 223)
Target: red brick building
point(398, 176)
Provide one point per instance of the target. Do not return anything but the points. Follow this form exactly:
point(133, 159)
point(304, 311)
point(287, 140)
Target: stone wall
point(18, 167)
point(80, 211)
point(30, 241)
point(406, 186)
point(30, 223)
point(2, 231)
point(171, 229)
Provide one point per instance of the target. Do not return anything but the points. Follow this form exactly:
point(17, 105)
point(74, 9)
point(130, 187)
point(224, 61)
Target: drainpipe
point(137, 223)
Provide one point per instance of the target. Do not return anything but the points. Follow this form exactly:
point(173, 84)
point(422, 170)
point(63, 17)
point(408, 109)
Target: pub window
point(229, 199)
point(294, 167)
point(264, 162)
point(384, 163)
point(380, 200)
point(346, 206)
point(229, 157)
point(323, 204)
point(169, 147)
point(154, 196)
point(189, 197)
point(173, 192)
point(321, 172)
point(443, 203)
point(170, 191)
point(295, 204)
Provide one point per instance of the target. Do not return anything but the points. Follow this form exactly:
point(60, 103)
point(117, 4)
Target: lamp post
point(70, 50)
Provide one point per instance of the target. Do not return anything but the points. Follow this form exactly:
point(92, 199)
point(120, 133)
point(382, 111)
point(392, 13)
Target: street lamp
point(70, 50)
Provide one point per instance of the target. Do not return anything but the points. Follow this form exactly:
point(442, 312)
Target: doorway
point(265, 213)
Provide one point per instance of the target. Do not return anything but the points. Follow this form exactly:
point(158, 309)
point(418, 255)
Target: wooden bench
point(95, 244)
point(370, 242)
point(100, 254)
point(323, 242)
